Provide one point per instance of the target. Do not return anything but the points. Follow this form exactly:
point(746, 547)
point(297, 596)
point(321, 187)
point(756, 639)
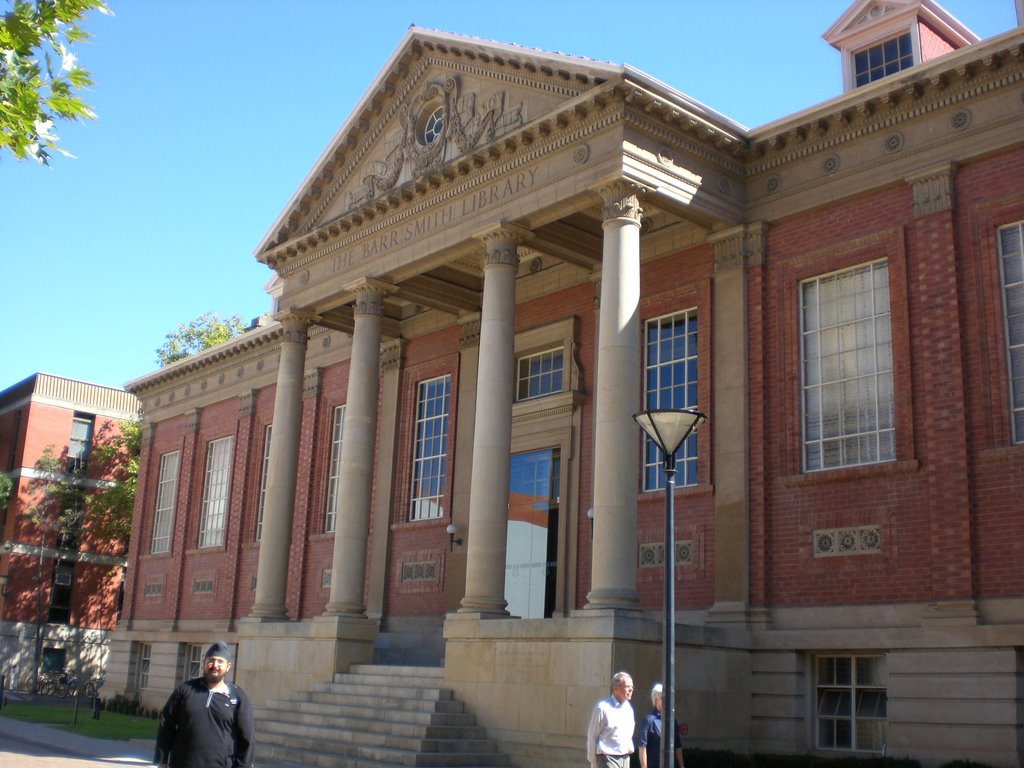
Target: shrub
point(128, 706)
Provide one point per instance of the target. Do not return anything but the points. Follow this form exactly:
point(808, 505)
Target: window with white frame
point(539, 374)
point(144, 653)
point(670, 381)
point(264, 471)
point(1011, 260)
point(215, 492)
point(193, 661)
point(430, 450)
point(885, 58)
point(166, 493)
point(80, 442)
point(334, 471)
point(851, 703)
point(846, 365)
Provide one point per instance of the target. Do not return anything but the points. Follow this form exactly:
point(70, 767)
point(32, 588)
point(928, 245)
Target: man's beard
point(212, 677)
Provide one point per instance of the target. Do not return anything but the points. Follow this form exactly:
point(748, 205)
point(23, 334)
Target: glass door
point(531, 555)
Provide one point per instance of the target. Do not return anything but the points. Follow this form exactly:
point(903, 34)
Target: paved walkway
point(30, 745)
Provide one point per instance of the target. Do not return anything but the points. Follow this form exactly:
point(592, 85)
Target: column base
point(345, 610)
point(615, 599)
point(268, 613)
point(484, 607)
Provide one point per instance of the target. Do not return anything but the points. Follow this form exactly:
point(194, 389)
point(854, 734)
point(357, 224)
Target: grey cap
point(219, 649)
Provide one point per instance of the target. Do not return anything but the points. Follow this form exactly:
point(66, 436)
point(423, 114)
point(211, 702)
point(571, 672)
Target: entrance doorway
point(531, 554)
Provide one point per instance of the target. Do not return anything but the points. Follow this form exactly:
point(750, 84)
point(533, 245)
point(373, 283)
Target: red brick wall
point(932, 44)
point(424, 358)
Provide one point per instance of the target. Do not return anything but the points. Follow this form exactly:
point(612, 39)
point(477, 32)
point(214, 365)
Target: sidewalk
point(125, 752)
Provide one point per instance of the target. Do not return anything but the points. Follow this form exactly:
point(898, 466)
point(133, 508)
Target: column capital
point(933, 188)
point(501, 244)
point(369, 293)
point(294, 326)
point(621, 200)
point(739, 246)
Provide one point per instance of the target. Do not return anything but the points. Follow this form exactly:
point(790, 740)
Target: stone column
point(275, 542)
point(492, 433)
point(355, 482)
point(617, 398)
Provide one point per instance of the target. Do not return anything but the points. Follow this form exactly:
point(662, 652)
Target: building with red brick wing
point(60, 583)
point(428, 455)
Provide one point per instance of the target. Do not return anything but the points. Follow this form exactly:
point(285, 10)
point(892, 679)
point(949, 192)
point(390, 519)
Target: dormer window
point(883, 59)
point(878, 38)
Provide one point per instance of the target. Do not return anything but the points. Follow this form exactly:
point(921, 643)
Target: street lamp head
point(669, 427)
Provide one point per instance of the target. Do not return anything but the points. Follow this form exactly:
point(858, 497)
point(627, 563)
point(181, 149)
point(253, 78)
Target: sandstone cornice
point(682, 116)
point(241, 349)
point(953, 79)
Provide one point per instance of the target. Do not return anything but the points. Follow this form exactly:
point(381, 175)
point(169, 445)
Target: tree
point(207, 330)
point(39, 75)
point(6, 484)
point(108, 514)
point(60, 502)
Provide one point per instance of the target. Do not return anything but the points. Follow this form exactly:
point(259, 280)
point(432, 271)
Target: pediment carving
point(871, 14)
point(441, 123)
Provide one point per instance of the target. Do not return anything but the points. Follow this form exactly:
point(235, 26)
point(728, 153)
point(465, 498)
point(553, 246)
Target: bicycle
point(92, 688)
point(65, 684)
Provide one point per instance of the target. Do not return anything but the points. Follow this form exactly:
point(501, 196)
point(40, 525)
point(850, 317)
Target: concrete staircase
point(374, 717)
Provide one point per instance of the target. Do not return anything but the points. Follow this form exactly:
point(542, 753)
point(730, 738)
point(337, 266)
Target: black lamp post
point(669, 428)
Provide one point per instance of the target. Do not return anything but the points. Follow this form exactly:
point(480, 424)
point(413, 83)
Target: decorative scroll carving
point(247, 403)
point(739, 247)
point(192, 421)
point(439, 116)
point(621, 201)
point(470, 334)
point(311, 383)
point(933, 189)
point(391, 356)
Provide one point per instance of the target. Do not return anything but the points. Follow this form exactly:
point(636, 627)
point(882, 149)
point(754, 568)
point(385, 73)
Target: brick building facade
point(60, 593)
point(429, 456)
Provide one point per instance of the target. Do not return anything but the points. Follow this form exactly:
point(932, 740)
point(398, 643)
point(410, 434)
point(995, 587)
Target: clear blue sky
point(211, 112)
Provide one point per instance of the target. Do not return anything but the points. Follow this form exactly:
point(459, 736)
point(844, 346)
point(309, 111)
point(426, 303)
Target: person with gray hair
point(649, 739)
point(610, 733)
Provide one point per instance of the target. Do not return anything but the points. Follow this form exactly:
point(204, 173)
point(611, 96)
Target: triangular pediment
point(866, 20)
point(440, 99)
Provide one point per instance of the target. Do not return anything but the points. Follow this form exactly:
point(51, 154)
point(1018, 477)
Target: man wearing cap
point(207, 722)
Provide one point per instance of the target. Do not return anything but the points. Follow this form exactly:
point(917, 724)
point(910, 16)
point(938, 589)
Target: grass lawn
point(111, 725)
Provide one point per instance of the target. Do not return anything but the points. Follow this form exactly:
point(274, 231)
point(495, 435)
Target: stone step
point(374, 717)
point(337, 754)
point(418, 715)
point(423, 724)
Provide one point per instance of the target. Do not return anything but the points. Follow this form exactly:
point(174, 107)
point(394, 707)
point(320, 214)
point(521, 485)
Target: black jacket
point(202, 729)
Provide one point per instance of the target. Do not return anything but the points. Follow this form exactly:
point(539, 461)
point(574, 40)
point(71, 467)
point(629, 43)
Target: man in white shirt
point(610, 734)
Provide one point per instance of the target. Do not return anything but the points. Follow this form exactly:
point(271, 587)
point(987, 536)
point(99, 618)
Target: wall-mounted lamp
point(590, 517)
point(452, 541)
